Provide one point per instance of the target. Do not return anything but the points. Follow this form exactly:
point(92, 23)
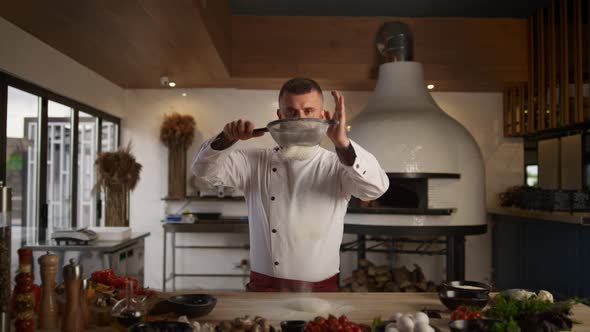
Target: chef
point(296, 199)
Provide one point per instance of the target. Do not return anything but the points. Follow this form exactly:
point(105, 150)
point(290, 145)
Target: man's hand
point(233, 132)
point(337, 132)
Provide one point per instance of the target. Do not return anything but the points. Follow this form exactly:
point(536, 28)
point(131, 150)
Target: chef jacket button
point(274, 169)
point(274, 230)
point(364, 172)
point(357, 166)
point(272, 198)
point(276, 263)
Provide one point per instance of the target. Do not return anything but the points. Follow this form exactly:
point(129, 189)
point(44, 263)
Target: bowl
point(161, 326)
point(207, 215)
point(192, 305)
point(293, 326)
point(476, 325)
point(453, 299)
point(468, 286)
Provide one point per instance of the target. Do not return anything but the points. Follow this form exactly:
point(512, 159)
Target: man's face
point(308, 105)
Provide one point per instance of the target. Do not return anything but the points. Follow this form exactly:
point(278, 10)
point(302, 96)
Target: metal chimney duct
point(394, 42)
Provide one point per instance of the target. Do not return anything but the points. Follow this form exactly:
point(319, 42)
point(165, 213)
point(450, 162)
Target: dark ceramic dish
point(161, 326)
point(478, 287)
point(193, 305)
point(453, 299)
point(293, 326)
point(472, 325)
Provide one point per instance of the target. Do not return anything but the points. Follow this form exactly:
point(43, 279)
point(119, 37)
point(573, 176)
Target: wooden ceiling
point(199, 43)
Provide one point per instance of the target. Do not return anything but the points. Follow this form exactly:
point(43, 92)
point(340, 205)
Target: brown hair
point(299, 86)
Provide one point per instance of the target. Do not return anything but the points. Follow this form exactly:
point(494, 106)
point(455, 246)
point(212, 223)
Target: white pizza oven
point(434, 165)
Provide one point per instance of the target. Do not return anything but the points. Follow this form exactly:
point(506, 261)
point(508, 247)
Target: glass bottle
point(128, 311)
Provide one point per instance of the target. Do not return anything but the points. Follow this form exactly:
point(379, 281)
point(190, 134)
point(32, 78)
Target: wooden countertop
point(359, 307)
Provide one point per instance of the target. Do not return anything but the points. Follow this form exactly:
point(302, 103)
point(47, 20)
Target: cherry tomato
point(320, 320)
point(343, 319)
point(474, 315)
point(458, 314)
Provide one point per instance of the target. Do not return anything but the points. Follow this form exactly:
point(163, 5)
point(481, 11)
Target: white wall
point(27, 57)
point(481, 113)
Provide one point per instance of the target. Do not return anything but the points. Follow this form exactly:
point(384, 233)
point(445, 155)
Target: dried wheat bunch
point(177, 130)
point(117, 169)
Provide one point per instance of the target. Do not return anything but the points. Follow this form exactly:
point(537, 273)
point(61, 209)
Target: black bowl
point(161, 326)
point(193, 305)
point(475, 325)
point(293, 326)
point(207, 215)
point(453, 299)
point(457, 285)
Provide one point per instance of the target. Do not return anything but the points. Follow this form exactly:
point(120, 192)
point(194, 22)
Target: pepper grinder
point(48, 315)
point(72, 319)
point(84, 303)
point(24, 300)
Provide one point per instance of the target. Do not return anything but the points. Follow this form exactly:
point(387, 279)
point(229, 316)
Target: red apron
point(263, 283)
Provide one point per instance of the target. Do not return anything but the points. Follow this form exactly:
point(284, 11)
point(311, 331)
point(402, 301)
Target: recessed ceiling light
point(171, 84)
point(430, 86)
point(184, 94)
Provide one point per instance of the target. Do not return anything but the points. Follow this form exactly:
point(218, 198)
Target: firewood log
point(418, 274)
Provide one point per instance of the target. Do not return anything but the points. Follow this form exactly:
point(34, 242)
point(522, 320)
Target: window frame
point(45, 95)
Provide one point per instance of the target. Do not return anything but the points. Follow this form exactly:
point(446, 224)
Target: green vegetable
point(510, 312)
point(376, 322)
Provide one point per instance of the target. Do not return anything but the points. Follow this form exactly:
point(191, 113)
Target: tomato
point(458, 314)
point(320, 320)
point(474, 315)
point(102, 276)
point(343, 319)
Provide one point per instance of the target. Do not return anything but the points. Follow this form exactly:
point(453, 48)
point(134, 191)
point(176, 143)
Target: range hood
point(435, 167)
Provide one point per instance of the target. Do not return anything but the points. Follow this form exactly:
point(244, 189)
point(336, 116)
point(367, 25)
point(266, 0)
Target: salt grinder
point(72, 318)
point(48, 313)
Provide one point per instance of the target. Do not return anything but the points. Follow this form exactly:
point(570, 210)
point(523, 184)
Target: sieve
point(300, 131)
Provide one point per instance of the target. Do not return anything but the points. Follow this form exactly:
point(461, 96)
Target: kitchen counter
point(576, 218)
point(109, 246)
point(359, 307)
point(125, 257)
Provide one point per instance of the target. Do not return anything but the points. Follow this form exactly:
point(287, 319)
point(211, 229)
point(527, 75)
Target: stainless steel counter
point(125, 257)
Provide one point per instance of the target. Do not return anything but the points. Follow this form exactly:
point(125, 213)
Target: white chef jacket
point(296, 208)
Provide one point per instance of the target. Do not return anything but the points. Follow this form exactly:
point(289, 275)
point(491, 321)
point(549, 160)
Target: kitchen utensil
point(468, 286)
point(300, 131)
point(128, 311)
point(454, 298)
point(72, 317)
point(293, 326)
point(193, 305)
point(161, 326)
point(48, 313)
point(480, 325)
